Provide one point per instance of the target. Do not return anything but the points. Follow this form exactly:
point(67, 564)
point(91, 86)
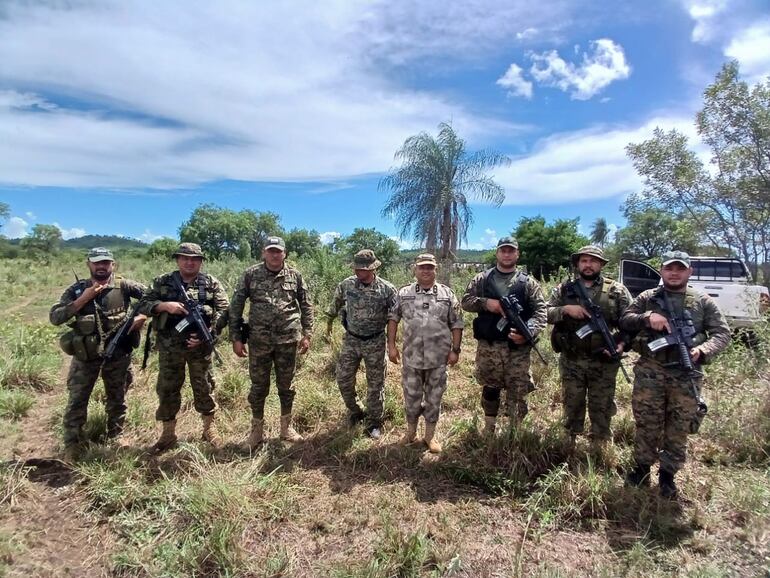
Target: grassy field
point(339, 504)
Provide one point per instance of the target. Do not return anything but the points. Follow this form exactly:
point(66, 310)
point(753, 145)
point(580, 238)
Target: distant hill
point(110, 241)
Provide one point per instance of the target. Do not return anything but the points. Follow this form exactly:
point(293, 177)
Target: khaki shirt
point(429, 317)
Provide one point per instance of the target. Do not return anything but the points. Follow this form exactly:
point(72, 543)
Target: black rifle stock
point(512, 316)
point(195, 319)
point(599, 323)
point(121, 333)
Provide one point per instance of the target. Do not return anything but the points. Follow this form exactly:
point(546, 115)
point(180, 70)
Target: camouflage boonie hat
point(675, 257)
point(425, 259)
point(365, 259)
point(508, 242)
point(100, 254)
point(188, 250)
point(275, 243)
point(591, 250)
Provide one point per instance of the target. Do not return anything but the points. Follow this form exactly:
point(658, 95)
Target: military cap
point(100, 254)
point(508, 242)
point(591, 250)
point(425, 259)
point(188, 250)
point(275, 243)
point(676, 257)
point(365, 259)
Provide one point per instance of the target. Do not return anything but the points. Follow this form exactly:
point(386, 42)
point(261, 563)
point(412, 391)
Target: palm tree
point(599, 232)
point(430, 190)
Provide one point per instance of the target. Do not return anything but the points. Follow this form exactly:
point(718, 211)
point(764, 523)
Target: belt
point(366, 337)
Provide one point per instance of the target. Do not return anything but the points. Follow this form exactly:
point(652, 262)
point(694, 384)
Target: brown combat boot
point(490, 423)
point(410, 435)
point(210, 433)
point(167, 437)
point(257, 433)
point(433, 446)
point(288, 433)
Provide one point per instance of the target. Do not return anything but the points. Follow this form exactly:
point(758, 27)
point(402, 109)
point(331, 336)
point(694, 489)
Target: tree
point(44, 241)
point(430, 191)
point(5, 211)
point(600, 231)
point(651, 232)
point(162, 248)
point(386, 249)
point(547, 248)
point(729, 203)
point(301, 242)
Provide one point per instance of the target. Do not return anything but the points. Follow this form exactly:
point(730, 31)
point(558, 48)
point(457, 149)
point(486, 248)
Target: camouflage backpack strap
point(201, 288)
point(690, 298)
point(607, 298)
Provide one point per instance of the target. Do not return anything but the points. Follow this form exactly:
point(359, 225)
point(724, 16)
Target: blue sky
point(121, 118)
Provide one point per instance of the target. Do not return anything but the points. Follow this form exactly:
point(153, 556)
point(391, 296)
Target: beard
point(590, 276)
point(101, 274)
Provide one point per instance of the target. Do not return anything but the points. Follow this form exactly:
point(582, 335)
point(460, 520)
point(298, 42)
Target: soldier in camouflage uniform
point(95, 309)
point(665, 397)
point(280, 326)
point(178, 349)
point(433, 330)
point(586, 367)
point(363, 301)
point(503, 358)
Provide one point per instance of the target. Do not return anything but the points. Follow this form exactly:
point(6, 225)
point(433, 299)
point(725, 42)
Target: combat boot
point(411, 433)
point(210, 433)
point(433, 446)
point(639, 476)
point(490, 423)
point(257, 432)
point(355, 417)
point(288, 433)
point(167, 437)
point(667, 486)
point(71, 453)
point(568, 442)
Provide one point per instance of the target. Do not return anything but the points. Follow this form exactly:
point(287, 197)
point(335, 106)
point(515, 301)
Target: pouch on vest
point(85, 347)
point(85, 324)
point(65, 342)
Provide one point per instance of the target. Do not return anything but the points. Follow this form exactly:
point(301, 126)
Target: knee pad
point(490, 393)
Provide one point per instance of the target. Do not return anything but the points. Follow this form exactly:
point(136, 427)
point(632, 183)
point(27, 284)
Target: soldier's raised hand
point(658, 322)
point(575, 311)
point(493, 306)
point(171, 307)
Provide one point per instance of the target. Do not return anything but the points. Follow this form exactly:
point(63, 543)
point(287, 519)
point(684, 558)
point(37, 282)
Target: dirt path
point(49, 524)
point(18, 306)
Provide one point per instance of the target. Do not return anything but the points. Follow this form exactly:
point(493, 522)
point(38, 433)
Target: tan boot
point(210, 433)
point(167, 437)
point(433, 446)
point(257, 433)
point(410, 435)
point(288, 433)
point(490, 422)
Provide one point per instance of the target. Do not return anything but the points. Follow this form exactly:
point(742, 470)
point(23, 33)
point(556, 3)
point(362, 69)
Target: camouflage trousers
point(593, 380)
point(171, 374)
point(663, 409)
point(498, 367)
point(372, 352)
point(81, 379)
point(262, 357)
point(423, 390)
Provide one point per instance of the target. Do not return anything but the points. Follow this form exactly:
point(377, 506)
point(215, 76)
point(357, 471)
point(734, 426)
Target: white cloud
point(527, 34)
point(31, 216)
point(403, 244)
point(604, 63)
point(705, 14)
point(488, 240)
point(328, 237)
point(751, 47)
point(149, 237)
point(72, 233)
point(16, 227)
point(515, 82)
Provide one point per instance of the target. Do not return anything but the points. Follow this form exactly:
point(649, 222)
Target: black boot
point(639, 476)
point(667, 485)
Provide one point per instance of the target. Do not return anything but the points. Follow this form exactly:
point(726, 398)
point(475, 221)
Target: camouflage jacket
point(113, 303)
point(164, 288)
point(429, 317)
point(712, 331)
point(363, 308)
point(279, 305)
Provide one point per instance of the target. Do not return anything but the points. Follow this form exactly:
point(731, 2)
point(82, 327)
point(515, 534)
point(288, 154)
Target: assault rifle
point(512, 316)
point(599, 323)
point(121, 333)
point(681, 336)
point(194, 318)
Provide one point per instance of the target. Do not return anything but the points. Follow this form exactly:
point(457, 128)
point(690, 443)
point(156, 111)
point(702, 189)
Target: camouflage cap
point(100, 254)
point(275, 243)
point(425, 259)
point(188, 250)
point(365, 259)
point(591, 250)
point(675, 257)
point(508, 242)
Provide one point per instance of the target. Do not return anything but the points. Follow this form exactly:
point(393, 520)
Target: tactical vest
point(169, 292)
point(668, 355)
point(485, 324)
point(564, 338)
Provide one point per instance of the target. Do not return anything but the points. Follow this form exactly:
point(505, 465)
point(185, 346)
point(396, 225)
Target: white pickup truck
point(725, 279)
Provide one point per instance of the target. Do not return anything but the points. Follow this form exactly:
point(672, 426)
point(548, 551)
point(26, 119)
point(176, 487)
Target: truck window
point(718, 269)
